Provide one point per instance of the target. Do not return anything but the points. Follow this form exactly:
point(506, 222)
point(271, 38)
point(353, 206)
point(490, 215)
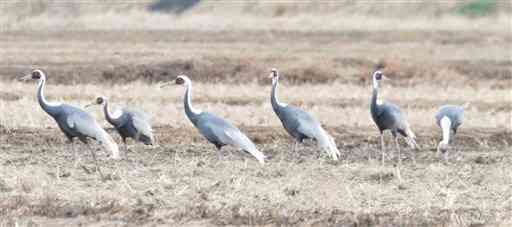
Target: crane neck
point(49, 107)
point(446, 124)
point(190, 111)
point(114, 120)
point(273, 95)
point(375, 95)
point(375, 83)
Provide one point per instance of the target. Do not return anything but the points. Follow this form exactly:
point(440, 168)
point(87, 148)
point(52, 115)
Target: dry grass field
point(432, 58)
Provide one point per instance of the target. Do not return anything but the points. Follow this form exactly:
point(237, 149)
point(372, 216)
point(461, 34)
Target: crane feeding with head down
point(300, 124)
point(215, 129)
point(448, 118)
point(387, 116)
point(128, 123)
point(73, 121)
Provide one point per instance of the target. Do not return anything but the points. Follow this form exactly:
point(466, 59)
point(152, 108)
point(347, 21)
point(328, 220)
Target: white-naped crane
point(448, 118)
point(215, 129)
point(73, 121)
point(128, 123)
point(300, 124)
point(387, 116)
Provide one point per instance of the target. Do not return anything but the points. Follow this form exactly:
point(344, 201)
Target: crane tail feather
point(242, 141)
point(411, 138)
point(108, 143)
point(258, 155)
point(327, 143)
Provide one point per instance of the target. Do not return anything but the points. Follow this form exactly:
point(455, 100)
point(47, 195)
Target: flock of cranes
point(75, 122)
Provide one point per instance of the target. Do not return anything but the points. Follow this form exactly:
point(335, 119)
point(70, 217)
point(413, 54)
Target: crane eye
point(180, 80)
point(378, 76)
point(99, 100)
point(36, 75)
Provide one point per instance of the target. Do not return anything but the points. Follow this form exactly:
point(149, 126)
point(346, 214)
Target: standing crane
point(448, 118)
point(72, 121)
point(300, 124)
point(215, 129)
point(387, 116)
point(128, 123)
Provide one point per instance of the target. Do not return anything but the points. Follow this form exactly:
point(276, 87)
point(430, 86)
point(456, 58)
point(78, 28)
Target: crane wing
point(82, 123)
point(212, 128)
point(142, 125)
point(305, 123)
point(219, 131)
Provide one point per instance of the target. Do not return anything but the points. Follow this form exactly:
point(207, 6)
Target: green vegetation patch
point(477, 8)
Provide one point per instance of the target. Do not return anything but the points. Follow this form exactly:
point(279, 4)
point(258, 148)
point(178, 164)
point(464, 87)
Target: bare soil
point(185, 182)
point(410, 57)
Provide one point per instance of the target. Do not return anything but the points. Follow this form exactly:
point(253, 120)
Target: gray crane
point(215, 129)
point(300, 124)
point(448, 118)
point(387, 116)
point(128, 123)
point(73, 121)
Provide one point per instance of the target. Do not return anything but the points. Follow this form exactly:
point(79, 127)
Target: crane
point(300, 124)
point(387, 116)
point(128, 123)
point(215, 129)
point(72, 121)
point(448, 118)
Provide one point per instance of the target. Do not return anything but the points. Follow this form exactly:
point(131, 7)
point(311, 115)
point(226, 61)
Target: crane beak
point(165, 84)
point(89, 105)
point(25, 78)
point(385, 77)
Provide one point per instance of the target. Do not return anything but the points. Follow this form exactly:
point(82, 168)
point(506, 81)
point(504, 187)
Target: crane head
point(182, 79)
point(273, 73)
point(378, 75)
point(442, 147)
point(36, 74)
point(99, 101)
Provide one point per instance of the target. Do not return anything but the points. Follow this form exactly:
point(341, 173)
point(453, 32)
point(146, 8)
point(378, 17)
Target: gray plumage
point(215, 129)
point(454, 113)
point(388, 116)
point(128, 123)
point(448, 118)
point(300, 124)
point(73, 122)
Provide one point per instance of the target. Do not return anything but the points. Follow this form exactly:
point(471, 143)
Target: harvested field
point(183, 182)
point(436, 57)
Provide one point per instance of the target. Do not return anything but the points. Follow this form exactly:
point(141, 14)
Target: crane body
point(215, 129)
point(128, 123)
point(449, 118)
point(387, 116)
point(300, 124)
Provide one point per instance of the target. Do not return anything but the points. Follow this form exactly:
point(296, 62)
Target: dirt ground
point(185, 182)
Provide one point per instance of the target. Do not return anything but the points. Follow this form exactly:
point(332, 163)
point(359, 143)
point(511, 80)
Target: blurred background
point(255, 14)
point(435, 52)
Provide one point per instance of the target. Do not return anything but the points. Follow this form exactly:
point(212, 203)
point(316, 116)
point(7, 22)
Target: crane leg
point(96, 163)
point(75, 163)
point(398, 150)
point(76, 157)
point(295, 149)
point(382, 147)
point(126, 148)
point(220, 153)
